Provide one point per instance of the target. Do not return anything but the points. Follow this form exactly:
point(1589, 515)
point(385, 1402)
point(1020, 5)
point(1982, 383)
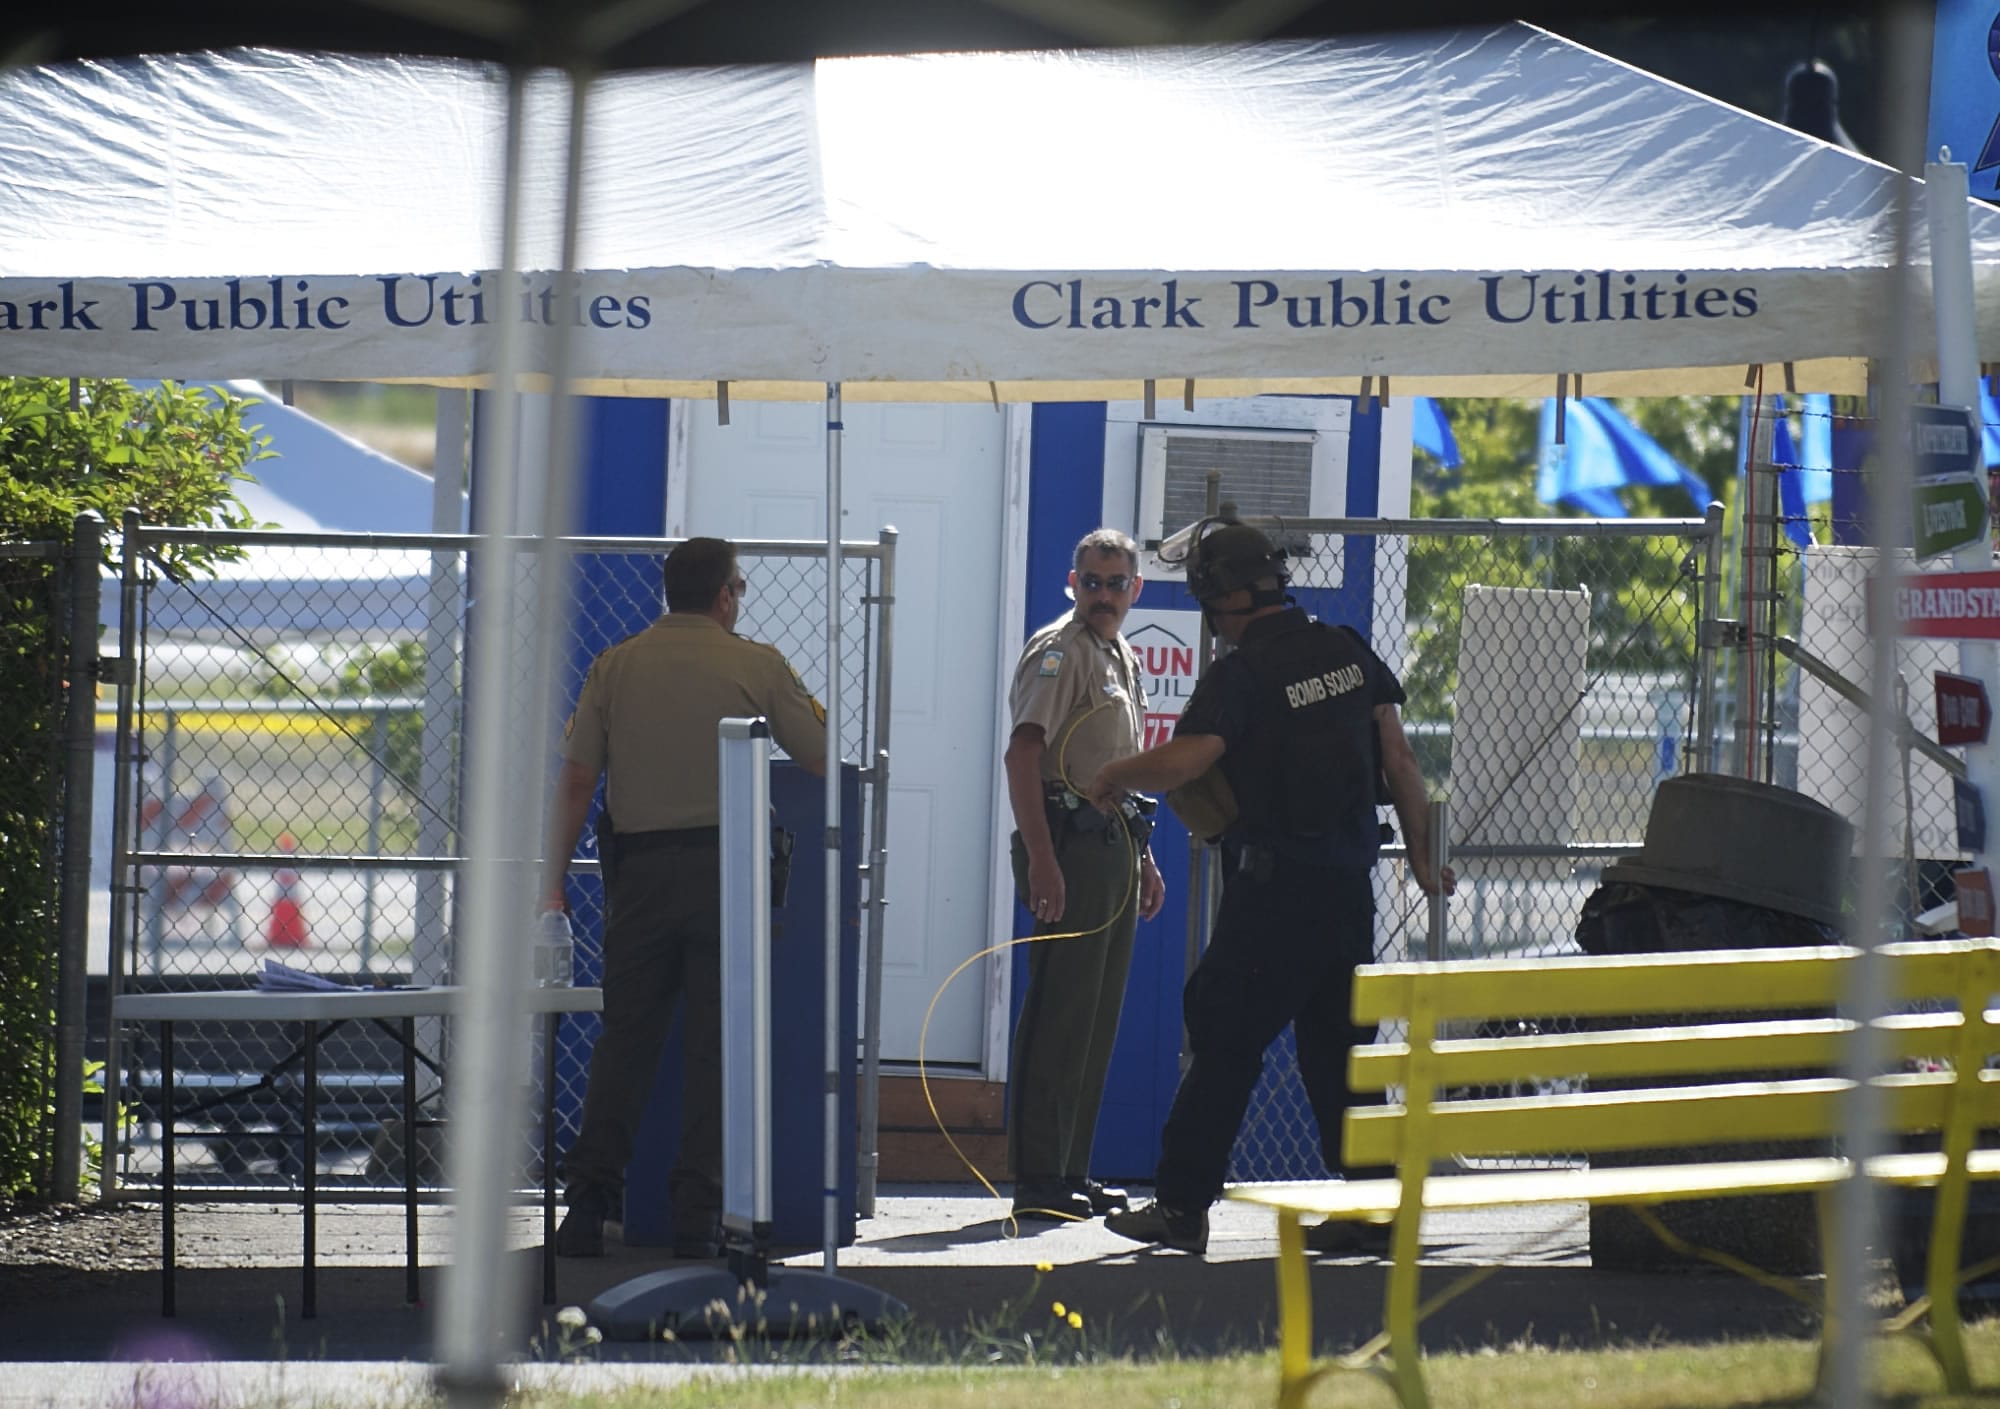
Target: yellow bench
point(1442, 1115)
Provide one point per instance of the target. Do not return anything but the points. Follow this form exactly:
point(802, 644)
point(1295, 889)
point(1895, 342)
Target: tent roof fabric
point(1467, 213)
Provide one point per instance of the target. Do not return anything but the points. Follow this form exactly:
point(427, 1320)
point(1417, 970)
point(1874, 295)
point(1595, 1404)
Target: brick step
point(961, 1104)
point(912, 1149)
point(909, 1158)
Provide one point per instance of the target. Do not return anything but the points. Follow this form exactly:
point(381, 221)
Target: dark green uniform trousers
point(1069, 1019)
point(662, 941)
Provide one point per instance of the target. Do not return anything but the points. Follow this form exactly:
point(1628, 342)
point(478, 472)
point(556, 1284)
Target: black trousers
point(1285, 947)
point(662, 942)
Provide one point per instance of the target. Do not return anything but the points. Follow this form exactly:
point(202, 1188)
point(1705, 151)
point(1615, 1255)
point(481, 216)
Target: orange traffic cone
point(287, 929)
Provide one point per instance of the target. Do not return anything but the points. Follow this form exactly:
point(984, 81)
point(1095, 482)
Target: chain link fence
point(1796, 681)
point(291, 740)
point(1554, 676)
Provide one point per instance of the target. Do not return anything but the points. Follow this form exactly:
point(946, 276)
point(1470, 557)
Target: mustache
point(1104, 609)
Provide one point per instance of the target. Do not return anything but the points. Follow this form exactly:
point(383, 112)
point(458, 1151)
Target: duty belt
point(1069, 811)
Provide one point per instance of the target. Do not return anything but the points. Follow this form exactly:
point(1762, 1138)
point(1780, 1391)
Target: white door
point(935, 474)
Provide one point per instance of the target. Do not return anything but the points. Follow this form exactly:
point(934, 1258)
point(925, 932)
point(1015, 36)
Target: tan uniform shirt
point(649, 706)
point(1086, 695)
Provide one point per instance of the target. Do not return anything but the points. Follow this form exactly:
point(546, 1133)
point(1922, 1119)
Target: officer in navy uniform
point(1294, 727)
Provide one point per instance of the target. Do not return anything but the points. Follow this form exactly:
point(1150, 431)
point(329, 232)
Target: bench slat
point(1663, 1118)
point(1701, 1050)
point(1633, 1184)
point(1597, 986)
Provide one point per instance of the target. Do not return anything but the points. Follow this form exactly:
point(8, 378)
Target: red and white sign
point(1951, 606)
point(1963, 711)
point(1167, 644)
point(1975, 903)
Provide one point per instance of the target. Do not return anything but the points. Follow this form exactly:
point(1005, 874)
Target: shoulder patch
point(1051, 662)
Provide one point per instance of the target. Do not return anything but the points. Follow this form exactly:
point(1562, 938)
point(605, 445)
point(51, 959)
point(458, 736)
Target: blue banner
point(1965, 90)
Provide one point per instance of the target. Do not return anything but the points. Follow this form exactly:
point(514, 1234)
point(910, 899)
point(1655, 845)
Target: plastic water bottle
point(555, 950)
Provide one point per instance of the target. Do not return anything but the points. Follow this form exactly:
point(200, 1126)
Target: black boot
point(697, 1236)
point(1341, 1237)
point(1049, 1201)
point(1183, 1229)
point(1103, 1199)
point(582, 1231)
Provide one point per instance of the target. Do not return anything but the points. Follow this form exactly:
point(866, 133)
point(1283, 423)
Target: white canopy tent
point(1466, 212)
point(1471, 213)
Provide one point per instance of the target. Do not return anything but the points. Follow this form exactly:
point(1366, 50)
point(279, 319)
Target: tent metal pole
point(479, 1149)
point(829, 1230)
point(1905, 40)
point(521, 588)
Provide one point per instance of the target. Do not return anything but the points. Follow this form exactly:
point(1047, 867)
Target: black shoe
point(1103, 1200)
point(698, 1239)
point(582, 1230)
point(1050, 1201)
point(1183, 1229)
point(1344, 1238)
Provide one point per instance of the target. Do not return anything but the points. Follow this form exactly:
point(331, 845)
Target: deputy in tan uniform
point(1078, 703)
point(646, 716)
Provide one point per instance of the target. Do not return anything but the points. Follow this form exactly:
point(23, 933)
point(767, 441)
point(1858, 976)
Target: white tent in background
point(1469, 213)
point(317, 480)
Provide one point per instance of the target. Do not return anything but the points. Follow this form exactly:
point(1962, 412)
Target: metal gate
point(289, 744)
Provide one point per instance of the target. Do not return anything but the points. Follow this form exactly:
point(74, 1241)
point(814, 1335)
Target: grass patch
point(1738, 1375)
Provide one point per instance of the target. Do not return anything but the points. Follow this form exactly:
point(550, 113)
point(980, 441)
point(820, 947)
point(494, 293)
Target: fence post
point(1204, 866)
point(86, 549)
point(161, 834)
point(123, 874)
point(1707, 642)
point(378, 749)
point(869, 1157)
point(1440, 857)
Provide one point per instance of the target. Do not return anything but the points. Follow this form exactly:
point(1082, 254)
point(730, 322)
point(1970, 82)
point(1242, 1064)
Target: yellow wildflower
point(1076, 1320)
point(1045, 1267)
point(1060, 1310)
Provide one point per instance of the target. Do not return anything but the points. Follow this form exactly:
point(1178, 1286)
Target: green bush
point(174, 453)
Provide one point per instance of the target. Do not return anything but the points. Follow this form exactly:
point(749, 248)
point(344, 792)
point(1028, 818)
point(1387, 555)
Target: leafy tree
point(392, 672)
point(175, 453)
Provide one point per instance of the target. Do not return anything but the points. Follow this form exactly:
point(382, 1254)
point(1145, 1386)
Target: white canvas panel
point(1516, 736)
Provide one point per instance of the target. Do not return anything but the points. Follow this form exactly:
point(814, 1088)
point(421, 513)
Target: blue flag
point(1805, 464)
point(1989, 415)
point(1604, 453)
point(1432, 432)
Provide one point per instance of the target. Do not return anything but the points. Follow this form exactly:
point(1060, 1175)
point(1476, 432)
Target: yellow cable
point(923, 1034)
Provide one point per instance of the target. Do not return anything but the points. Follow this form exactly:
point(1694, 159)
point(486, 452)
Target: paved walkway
point(947, 1253)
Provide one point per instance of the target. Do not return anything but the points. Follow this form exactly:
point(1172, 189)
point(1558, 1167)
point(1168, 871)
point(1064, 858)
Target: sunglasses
point(741, 587)
point(1091, 582)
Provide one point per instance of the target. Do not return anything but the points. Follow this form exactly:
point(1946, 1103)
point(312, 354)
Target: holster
point(1141, 816)
point(1069, 813)
point(782, 843)
point(607, 845)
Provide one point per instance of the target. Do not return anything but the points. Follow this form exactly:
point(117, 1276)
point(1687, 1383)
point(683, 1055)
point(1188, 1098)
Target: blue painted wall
point(624, 492)
point(1066, 501)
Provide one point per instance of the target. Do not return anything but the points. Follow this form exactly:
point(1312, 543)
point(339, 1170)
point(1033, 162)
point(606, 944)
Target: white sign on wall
point(1167, 644)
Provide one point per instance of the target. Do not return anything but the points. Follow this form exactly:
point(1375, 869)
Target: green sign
point(1948, 514)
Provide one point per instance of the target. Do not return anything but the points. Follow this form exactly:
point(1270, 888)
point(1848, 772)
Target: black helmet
point(1230, 557)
